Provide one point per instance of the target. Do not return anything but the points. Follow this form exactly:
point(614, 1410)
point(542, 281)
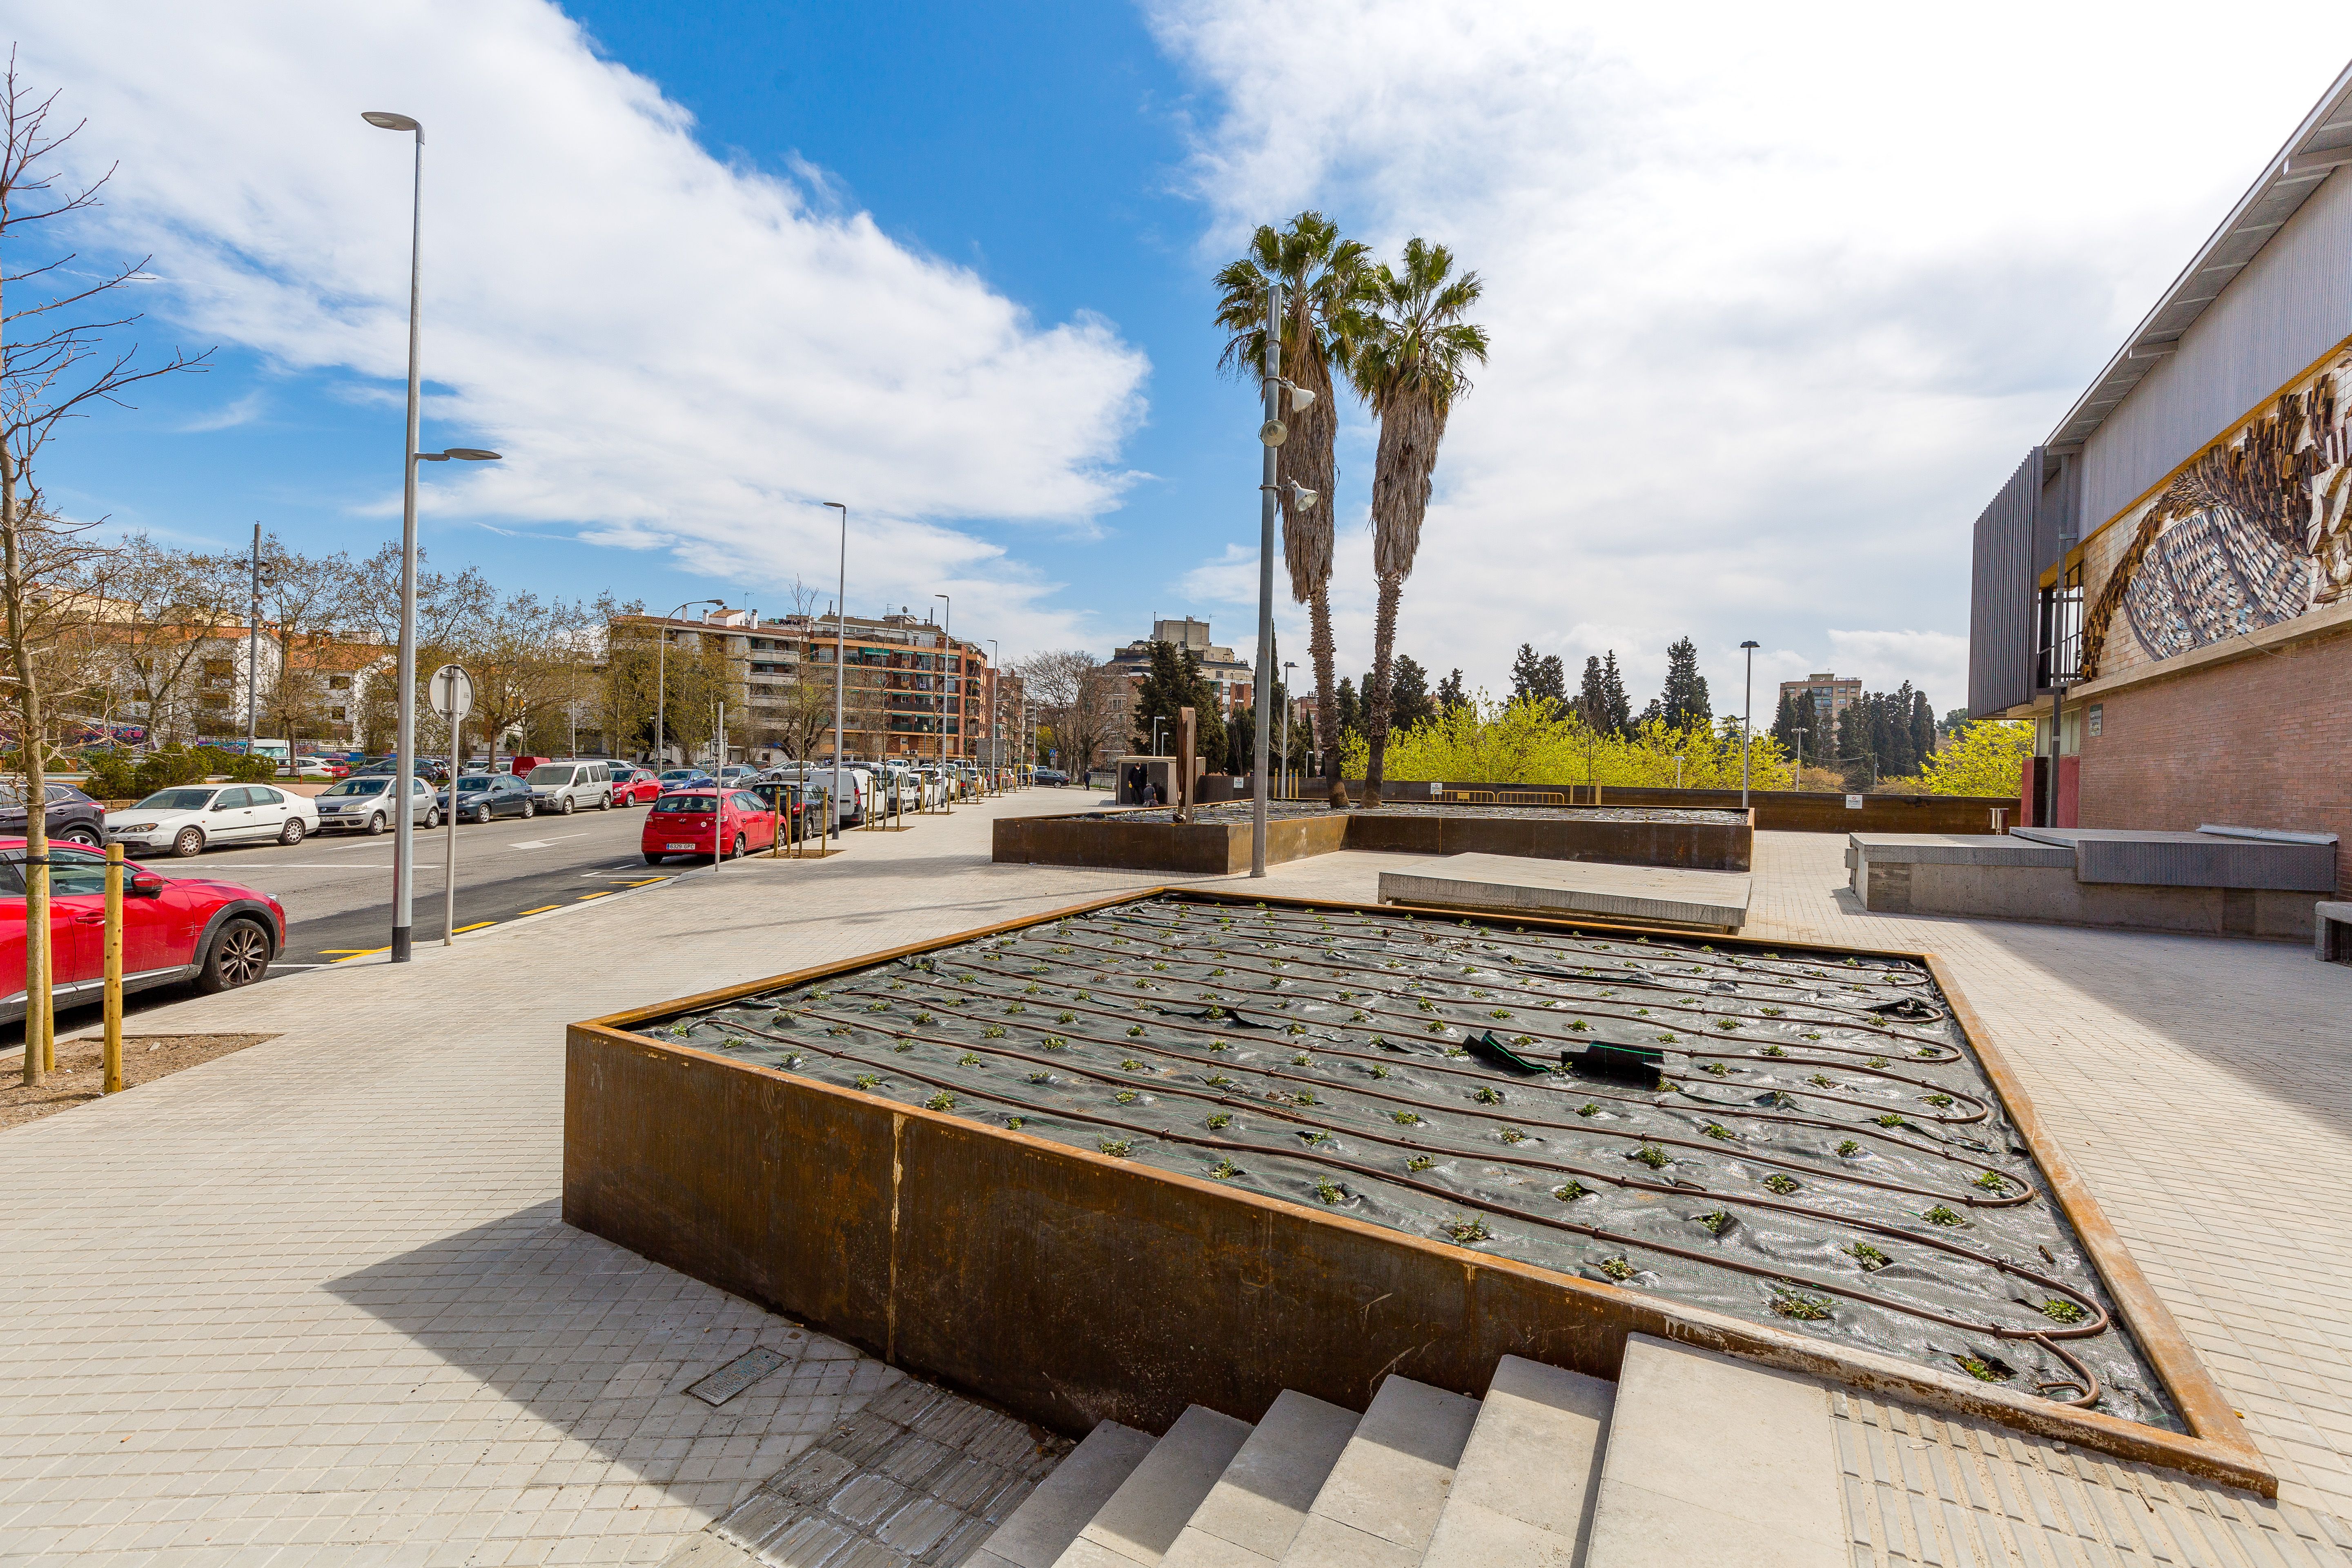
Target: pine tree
point(1553, 681)
point(1683, 704)
point(1172, 681)
point(1409, 699)
point(1922, 729)
point(1619, 706)
point(1450, 694)
point(1527, 673)
point(1351, 712)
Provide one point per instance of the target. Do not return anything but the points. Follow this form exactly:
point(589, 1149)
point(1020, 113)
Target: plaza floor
point(312, 1302)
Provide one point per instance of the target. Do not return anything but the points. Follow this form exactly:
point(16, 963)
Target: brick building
point(2176, 558)
point(1831, 695)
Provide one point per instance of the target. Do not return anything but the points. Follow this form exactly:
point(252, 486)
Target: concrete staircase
point(1691, 1458)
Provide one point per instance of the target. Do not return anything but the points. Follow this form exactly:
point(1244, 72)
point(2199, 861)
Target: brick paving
point(312, 1302)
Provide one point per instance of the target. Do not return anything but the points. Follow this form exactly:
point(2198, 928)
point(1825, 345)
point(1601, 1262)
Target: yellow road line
point(606, 894)
point(649, 882)
point(540, 910)
point(361, 953)
point(354, 950)
point(476, 926)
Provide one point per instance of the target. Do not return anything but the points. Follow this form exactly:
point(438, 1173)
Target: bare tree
point(167, 608)
point(59, 360)
point(1081, 699)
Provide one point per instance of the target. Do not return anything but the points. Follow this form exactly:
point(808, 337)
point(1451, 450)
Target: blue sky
point(1777, 301)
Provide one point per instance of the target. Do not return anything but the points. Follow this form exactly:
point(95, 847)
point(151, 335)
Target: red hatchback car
point(680, 823)
point(174, 928)
point(634, 786)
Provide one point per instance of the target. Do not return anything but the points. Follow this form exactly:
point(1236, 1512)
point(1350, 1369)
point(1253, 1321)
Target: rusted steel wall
point(1069, 1287)
point(1221, 848)
point(1777, 811)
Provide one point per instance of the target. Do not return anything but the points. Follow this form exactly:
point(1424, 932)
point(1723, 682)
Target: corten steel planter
point(1777, 810)
point(1069, 1287)
point(1111, 838)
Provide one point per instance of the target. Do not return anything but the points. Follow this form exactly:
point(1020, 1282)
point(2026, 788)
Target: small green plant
point(1925, 1051)
point(1797, 1304)
point(1848, 1150)
point(1135, 1029)
point(1579, 1024)
point(2060, 1311)
point(1041, 1077)
point(1869, 1257)
point(1892, 1118)
point(1773, 1051)
point(968, 1059)
point(1590, 1108)
point(1435, 1028)
point(1979, 1370)
point(1225, 1169)
point(1419, 1162)
point(1727, 1023)
point(1822, 1080)
point(1617, 1269)
point(925, 1018)
point(1466, 1231)
point(839, 1029)
point(1716, 1221)
point(1219, 1122)
point(1939, 1102)
point(1717, 1129)
point(1877, 1062)
point(1125, 1097)
point(1455, 1052)
point(1116, 1148)
point(1769, 1012)
point(1131, 1065)
point(1487, 1094)
point(942, 1100)
point(1218, 1080)
point(1329, 1191)
point(1302, 1060)
point(1013, 1008)
point(1718, 1068)
point(1303, 1097)
point(1219, 1045)
point(1572, 1191)
point(1014, 1122)
point(1943, 1215)
point(1512, 1135)
point(1650, 1155)
point(1990, 1180)
point(1055, 1043)
point(1066, 1019)
point(1406, 1118)
point(903, 1047)
point(1782, 1182)
point(1380, 1070)
point(878, 1006)
point(866, 1081)
point(1313, 1138)
point(1499, 1013)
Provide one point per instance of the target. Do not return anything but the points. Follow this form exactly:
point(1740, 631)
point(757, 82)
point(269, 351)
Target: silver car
point(566, 787)
point(363, 804)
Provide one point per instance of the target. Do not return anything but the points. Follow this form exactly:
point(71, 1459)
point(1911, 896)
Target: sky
point(1777, 298)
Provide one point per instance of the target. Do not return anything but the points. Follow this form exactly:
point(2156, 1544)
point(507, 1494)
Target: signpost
point(453, 697)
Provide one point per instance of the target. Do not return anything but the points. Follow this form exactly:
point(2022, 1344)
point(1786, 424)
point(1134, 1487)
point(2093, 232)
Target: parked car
point(564, 787)
point(215, 933)
point(737, 773)
point(521, 766)
point(634, 786)
point(707, 822)
point(1054, 776)
point(426, 768)
point(363, 804)
point(73, 816)
point(188, 819)
point(482, 796)
point(685, 778)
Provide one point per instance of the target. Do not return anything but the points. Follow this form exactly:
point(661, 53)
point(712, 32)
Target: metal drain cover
point(737, 1375)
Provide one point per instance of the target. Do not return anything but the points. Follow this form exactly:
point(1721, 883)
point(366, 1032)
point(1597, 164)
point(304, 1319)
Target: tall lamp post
point(1799, 731)
point(661, 683)
point(1747, 718)
point(1280, 396)
point(947, 642)
point(840, 667)
point(1287, 666)
point(403, 859)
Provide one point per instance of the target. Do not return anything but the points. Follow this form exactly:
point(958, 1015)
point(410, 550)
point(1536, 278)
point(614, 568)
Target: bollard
point(114, 874)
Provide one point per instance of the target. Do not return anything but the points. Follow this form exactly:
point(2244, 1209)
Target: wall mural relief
point(2256, 531)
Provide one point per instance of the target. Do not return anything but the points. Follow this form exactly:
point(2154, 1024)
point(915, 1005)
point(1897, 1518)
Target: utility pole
point(1747, 718)
point(1271, 435)
point(253, 650)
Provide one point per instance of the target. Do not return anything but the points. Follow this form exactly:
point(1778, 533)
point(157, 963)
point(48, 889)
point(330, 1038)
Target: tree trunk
point(1321, 650)
point(40, 1049)
point(1376, 710)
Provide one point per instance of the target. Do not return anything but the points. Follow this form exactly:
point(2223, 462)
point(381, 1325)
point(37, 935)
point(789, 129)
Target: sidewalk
point(312, 1304)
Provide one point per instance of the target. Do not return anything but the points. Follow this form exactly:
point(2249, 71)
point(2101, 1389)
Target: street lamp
point(1155, 733)
point(1679, 770)
point(661, 683)
point(403, 865)
point(1747, 719)
point(840, 667)
point(1280, 396)
point(1799, 731)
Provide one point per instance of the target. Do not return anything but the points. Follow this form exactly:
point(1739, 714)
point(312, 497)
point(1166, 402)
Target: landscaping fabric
point(1803, 1140)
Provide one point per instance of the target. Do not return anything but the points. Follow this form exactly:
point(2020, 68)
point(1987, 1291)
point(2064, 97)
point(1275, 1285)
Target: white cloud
point(1231, 578)
point(1779, 296)
point(672, 352)
point(227, 416)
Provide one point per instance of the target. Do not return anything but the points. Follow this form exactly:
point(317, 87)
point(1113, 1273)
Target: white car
point(188, 819)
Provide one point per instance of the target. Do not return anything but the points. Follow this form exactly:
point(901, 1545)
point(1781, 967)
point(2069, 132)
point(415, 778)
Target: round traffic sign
point(452, 692)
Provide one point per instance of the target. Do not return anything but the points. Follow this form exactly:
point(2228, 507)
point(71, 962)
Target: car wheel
point(293, 831)
point(740, 846)
point(654, 860)
point(563, 806)
point(481, 813)
point(376, 825)
point(239, 956)
point(432, 816)
point(607, 803)
point(80, 834)
point(530, 809)
point(190, 842)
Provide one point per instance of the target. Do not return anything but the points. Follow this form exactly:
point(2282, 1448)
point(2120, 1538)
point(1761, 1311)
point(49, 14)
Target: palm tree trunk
point(1376, 713)
point(1321, 648)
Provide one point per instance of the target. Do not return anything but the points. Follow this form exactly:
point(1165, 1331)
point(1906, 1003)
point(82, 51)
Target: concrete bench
point(1715, 901)
point(2331, 931)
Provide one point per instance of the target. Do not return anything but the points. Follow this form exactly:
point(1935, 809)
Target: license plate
point(682, 845)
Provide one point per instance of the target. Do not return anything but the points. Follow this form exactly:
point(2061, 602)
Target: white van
point(857, 787)
point(566, 787)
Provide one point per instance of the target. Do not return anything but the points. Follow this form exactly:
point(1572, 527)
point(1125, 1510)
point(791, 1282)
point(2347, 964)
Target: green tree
point(1171, 682)
point(1409, 703)
point(1601, 697)
point(1683, 705)
point(1984, 758)
point(1450, 694)
point(1543, 677)
point(1411, 367)
point(1324, 282)
point(1350, 711)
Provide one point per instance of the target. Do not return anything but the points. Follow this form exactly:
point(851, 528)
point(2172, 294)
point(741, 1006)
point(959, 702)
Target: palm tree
point(1323, 280)
point(1411, 367)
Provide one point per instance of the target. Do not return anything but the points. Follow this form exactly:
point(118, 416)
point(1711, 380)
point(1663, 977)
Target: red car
point(680, 823)
point(634, 786)
point(215, 933)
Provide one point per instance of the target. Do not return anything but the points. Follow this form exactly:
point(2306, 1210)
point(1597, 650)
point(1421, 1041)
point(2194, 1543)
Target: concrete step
point(1254, 1512)
point(1138, 1523)
point(1381, 1500)
point(1043, 1527)
point(1523, 1489)
point(1718, 1461)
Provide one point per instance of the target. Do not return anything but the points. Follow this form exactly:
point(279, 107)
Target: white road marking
point(543, 843)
